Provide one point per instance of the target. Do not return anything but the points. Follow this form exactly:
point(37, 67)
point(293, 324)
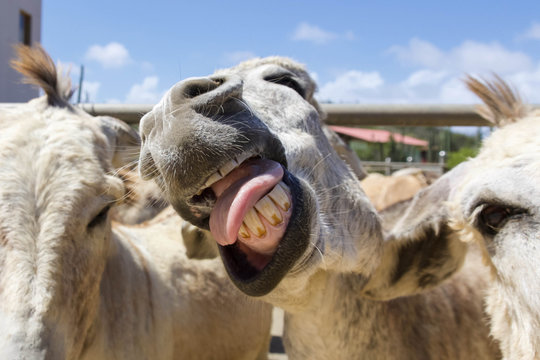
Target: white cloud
point(145, 92)
point(351, 86)
point(312, 33)
point(425, 77)
point(454, 91)
point(437, 77)
point(419, 52)
point(235, 57)
point(477, 57)
point(527, 83)
point(470, 56)
point(112, 55)
point(533, 32)
point(421, 87)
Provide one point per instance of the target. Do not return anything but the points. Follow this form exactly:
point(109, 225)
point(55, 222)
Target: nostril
point(208, 96)
point(197, 87)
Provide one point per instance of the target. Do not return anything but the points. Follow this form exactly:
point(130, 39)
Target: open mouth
point(259, 214)
point(252, 206)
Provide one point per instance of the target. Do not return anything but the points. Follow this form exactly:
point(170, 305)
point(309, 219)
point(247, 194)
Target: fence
point(337, 114)
point(343, 114)
point(388, 168)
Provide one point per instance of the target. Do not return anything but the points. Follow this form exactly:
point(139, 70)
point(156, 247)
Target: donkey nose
point(208, 95)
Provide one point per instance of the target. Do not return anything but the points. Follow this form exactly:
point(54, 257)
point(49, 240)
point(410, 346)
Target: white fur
point(75, 286)
point(506, 173)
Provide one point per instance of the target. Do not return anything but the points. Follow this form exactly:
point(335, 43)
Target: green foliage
point(439, 138)
point(456, 157)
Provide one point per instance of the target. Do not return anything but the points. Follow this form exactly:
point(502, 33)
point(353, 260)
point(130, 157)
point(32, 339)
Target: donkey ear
point(125, 141)
point(420, 250)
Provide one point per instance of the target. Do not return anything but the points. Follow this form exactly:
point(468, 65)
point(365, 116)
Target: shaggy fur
point(267, 106)
point(75, 286)
point(504, 176)
point(492, 203)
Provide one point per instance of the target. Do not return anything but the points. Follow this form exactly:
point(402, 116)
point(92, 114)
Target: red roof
point(378, 136)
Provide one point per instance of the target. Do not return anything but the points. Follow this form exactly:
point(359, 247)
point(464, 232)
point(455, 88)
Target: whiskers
point(323, 261)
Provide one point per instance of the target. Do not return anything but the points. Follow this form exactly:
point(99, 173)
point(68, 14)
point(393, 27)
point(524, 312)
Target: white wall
point(11, 88)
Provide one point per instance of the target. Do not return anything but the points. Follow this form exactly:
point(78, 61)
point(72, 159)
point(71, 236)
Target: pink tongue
point(237, 193)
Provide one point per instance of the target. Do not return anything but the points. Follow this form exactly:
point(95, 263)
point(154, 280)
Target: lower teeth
point(269, 208)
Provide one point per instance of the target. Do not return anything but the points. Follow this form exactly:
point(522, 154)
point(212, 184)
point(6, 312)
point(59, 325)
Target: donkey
point(492, 202)
point(243, 152)
point(75, 286)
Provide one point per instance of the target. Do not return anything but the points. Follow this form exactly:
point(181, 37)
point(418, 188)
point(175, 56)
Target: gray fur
point(328, 314)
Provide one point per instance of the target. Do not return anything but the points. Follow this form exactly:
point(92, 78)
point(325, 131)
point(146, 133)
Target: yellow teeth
point(243, 232)
point(280, 197)
point(228, 167)
point(212, 179)
point(269, 210)
point(254, 224)
point(224, 171)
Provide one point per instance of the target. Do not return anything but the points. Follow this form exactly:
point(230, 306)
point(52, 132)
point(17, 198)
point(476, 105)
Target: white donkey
point(492, 201)
point(73, 286)
point(243, 153)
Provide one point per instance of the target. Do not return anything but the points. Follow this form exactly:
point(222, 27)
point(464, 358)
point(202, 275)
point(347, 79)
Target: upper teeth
point(224, 171)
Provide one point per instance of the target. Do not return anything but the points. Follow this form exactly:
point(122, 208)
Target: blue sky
point(358, 51)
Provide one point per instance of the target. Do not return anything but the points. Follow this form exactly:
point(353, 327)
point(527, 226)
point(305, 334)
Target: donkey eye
point(99, 218)
point(493, 217)
point(286, 80)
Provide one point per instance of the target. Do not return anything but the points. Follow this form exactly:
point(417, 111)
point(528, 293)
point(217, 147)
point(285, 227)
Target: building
point(20, 22)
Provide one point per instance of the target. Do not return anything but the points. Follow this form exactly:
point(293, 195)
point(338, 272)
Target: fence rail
point(389, 167)
point(345, 115)
point(337, 114)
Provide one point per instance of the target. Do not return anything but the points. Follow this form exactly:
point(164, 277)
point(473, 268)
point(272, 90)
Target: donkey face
point(55, 192)
point(492, 201)
point(242, 153)
point(498, 207)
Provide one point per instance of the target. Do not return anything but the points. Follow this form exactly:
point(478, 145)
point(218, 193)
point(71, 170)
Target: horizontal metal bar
point(388, 167)
point(130, 113)
point(403, 115)
point(341, 114)
point(337, 114)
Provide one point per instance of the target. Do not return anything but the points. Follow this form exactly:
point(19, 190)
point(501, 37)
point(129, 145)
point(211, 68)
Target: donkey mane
point(502, 104)
point(39, 69)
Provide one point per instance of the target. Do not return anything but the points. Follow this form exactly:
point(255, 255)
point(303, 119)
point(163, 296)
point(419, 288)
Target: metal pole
point(81, 78)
